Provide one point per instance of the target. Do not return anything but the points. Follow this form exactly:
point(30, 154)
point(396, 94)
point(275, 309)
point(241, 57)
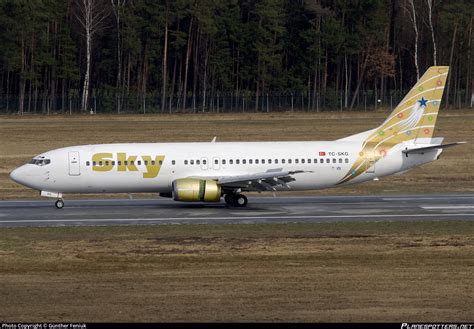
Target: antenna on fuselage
point(214, 139)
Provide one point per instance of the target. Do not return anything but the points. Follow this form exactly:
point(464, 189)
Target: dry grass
point(24, 137)
point(414, 272)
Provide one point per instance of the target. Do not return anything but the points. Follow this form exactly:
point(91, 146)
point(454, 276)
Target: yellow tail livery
point(414, 118)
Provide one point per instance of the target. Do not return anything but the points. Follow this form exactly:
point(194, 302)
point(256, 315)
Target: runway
point(259, 210)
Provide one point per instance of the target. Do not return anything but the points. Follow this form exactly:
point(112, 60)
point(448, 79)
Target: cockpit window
point(40, 162)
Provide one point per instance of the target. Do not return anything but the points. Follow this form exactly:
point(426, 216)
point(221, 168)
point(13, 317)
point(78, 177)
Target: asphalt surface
point(259, 210)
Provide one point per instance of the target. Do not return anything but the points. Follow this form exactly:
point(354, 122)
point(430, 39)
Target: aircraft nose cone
point(14, 175)
point(18, 175)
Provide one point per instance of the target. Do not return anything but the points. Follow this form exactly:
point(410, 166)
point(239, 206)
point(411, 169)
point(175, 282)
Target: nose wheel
point(59, 204)
point(236, 200)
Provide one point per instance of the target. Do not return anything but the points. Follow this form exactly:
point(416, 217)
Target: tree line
point(189, 53)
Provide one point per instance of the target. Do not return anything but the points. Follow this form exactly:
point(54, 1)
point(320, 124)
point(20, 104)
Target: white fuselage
point(72, 169)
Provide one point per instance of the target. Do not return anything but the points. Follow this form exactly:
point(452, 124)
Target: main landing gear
point(236, 200)
point(59, 204)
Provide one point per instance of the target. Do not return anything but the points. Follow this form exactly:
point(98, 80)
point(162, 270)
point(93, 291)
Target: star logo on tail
point(422, 101)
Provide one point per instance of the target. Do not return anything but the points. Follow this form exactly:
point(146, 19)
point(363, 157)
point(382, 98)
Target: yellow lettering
point(103, 162)
point(153, 168)
point(122, 159)
point(105, 158)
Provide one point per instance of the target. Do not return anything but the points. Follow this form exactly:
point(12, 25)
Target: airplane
point(206, 172)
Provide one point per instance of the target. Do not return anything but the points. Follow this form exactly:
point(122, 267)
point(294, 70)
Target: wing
point(269, 180)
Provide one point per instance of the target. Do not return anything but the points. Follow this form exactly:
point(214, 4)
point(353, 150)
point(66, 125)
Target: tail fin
point(413, 119)
point(415, 116)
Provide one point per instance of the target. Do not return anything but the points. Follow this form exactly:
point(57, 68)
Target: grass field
point(401, 272)
point(24, 137)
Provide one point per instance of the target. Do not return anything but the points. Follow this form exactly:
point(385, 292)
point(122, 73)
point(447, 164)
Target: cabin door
point(74, 164)
point(370, 163)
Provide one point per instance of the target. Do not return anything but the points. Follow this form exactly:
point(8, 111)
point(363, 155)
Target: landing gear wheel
point(240, 200)
point(59, 204)
point(229, 199)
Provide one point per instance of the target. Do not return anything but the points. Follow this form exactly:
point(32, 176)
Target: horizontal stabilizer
point(429, 148)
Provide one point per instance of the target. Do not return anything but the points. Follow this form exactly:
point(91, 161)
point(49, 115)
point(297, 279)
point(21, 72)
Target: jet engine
point(193, 189)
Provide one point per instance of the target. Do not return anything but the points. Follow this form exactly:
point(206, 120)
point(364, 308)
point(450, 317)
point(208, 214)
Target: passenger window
point(276, 161)
point(125, 162)
point(334, 160)
point(94, 163)
point(328, 160)
point(263, 161)
point(270, 161)
point(131, 162)
point(113, 163)
point(256, 161)
point(244, 161)
point(223, 161)
point(120, 163)
point(296, 161)
point(237, 161)
point(138, 163)
point(191, 162)
point(100, 163)
point(204, 161)
point(315, 160)
point(185, 162)
point(160, 162)
point(302, 160)
point(216, 161)
point(173, 162)
point(152, 162)
point(88, 163)
point(347, 160)
point(289, 161)
point(283, 161)
point(231, 161)
point(340, 160)
point(250, 161)
point(107, 163)
point(197, 162)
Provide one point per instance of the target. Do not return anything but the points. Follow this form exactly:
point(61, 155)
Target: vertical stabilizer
point(413, 119)
point(415, 116)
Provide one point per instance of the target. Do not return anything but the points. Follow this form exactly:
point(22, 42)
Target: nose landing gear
point(236, 200)
point(59, 204)
point(57, 195)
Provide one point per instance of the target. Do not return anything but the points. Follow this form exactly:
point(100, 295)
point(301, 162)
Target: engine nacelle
point(193, 189)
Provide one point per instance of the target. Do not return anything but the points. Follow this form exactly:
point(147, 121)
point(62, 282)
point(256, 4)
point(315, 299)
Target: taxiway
point(259, 210)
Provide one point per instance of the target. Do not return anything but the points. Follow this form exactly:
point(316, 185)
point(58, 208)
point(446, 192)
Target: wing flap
point(265, 181)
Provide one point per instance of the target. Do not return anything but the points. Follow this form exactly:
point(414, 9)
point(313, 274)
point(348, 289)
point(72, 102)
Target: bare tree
point(91, 15)
point(165, 59)
point(412, 14)
point(451, 56)
point(118, 7)
point(430, 20)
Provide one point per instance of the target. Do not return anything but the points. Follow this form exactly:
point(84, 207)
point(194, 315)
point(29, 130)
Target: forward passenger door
point(74, 164)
